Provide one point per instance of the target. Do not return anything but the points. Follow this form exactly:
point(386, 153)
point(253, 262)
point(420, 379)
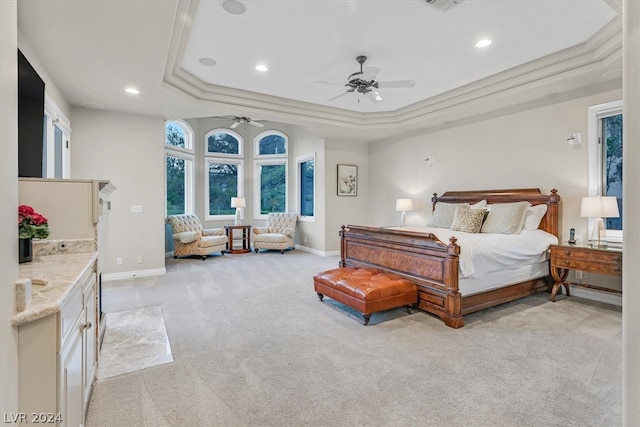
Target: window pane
point(223, 185)
point(273, 144)
point(176, 174)
point(272, 188)
point(175, 135)
point(306, 188)
point(612, 129)
point(221, 142)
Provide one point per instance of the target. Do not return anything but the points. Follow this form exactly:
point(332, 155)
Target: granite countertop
point(61, 272)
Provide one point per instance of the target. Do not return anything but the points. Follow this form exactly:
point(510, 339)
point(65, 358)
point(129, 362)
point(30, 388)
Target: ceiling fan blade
point(235, 124)
point(256, 124)
point(338, 96)
point(373, 96)
point(397, 83)
point(328, 83)
point(369, 73)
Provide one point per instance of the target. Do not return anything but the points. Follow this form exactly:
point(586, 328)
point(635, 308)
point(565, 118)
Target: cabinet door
point(90, 339)
point(70, 370)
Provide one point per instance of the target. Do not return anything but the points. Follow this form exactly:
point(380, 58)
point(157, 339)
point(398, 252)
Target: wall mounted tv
point(30, 119)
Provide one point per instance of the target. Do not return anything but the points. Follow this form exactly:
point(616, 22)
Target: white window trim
point(594, 156)
point(226, 155)
point(256, 183)
point(299, 161)
point(240, 192)
point(188, 173)
point(256, 144)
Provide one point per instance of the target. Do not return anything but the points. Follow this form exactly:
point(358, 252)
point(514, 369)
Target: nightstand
point(246, 239)
point(592, 259)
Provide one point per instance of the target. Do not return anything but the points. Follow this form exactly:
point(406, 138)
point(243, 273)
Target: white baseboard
point(317, 252)
point(606, 297)
point(131, 274)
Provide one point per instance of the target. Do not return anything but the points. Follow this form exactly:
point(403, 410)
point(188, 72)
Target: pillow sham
point(533, 217)
point(443, 215)
point(467, 219)
point(505, 218)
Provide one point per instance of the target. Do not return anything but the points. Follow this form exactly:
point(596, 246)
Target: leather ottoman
point(366, 290)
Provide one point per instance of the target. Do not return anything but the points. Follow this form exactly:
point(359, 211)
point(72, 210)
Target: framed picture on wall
point(347, 180)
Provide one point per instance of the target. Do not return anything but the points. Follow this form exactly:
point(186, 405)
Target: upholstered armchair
point(279, 232)
point(190, 238)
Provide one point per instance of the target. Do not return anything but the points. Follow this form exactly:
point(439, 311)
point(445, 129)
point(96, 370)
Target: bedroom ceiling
point(540, 50)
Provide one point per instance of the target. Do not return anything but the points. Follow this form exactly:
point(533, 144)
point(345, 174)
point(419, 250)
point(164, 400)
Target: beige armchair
point(279, 232)
point(190, 238)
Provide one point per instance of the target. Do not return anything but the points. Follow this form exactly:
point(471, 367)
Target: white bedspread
point(484, 253)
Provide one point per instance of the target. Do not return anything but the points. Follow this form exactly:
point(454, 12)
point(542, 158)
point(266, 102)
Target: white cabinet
point(57, 358)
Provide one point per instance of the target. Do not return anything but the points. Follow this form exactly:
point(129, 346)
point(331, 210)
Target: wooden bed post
point(453, 304)
point(434, 200)
point(343, 246)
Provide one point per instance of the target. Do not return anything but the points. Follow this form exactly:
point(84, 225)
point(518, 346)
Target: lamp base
point(403, 221)
point(598, 234)
point(237, 220)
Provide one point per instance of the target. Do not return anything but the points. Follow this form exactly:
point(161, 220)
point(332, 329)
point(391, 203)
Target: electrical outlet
point(305, 239)
point(579, 274)
point(139, 259)
point(119, 260)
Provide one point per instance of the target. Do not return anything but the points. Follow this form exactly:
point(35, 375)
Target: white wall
point(8, 204)
point(631, 267)
point(128, 150)
point(343, 210)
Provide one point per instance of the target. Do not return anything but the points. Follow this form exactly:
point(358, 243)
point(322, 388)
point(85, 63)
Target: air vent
point(443, 5)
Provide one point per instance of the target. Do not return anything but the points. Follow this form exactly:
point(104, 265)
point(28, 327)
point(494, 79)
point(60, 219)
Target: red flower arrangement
point(31, 224)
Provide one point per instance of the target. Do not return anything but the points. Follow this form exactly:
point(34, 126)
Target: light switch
point(136, 209)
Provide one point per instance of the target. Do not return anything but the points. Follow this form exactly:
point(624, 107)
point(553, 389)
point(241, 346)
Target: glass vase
point(26, 250)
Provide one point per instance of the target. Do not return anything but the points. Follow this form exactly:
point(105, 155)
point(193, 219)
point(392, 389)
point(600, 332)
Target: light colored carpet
point(253, 346)
point(134, 339)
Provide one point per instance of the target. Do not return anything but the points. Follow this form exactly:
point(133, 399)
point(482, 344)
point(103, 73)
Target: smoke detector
point(443, 5)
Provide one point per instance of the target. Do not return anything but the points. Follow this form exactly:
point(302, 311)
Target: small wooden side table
point(592, 259)
point(246, 239)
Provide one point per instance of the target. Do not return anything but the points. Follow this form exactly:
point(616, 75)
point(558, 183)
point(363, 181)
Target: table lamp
point(599, 207)
point(404, 206)
point(238, 203)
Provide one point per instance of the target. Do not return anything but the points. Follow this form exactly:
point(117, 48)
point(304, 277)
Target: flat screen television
point(30, 120)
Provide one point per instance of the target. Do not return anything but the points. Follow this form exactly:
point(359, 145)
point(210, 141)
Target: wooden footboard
point(433, 265)
point(418, 257)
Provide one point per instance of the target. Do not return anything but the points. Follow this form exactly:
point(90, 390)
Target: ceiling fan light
point(262, 67)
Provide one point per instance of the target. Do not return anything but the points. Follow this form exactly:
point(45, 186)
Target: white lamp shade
point(238, 202)
point(404, 205)
point(599, 207)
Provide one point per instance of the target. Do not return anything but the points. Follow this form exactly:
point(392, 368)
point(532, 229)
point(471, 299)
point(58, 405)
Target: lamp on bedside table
point(238, 203)
point(404, 206)
point(599, 207)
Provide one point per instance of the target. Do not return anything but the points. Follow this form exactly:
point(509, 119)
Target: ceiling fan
point(363, 82)
point(238, 120)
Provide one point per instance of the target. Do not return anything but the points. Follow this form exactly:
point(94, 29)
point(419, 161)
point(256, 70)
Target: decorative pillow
point(467, 220)
point(481, 204)
point(533, 217)
point(443, 215)
point(505, 218)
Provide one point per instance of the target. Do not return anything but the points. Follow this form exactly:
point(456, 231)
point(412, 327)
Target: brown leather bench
point(366, 290)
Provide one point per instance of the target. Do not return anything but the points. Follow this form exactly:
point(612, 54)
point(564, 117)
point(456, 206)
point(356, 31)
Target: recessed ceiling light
point(234, 7)
point(132, 90)
point(208, 62)
point(261, 67)
point(483, 43)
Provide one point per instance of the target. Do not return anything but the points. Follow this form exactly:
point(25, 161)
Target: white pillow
point(443, 215)
point(481, 204)
point(505, 218)
point(533, 217)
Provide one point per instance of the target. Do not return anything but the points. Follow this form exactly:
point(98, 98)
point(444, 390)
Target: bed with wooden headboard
point(434, 265)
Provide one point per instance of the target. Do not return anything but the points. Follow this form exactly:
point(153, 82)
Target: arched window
point(179, 167)
point(271, 174)
point(224, 172)
point(223, 142)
